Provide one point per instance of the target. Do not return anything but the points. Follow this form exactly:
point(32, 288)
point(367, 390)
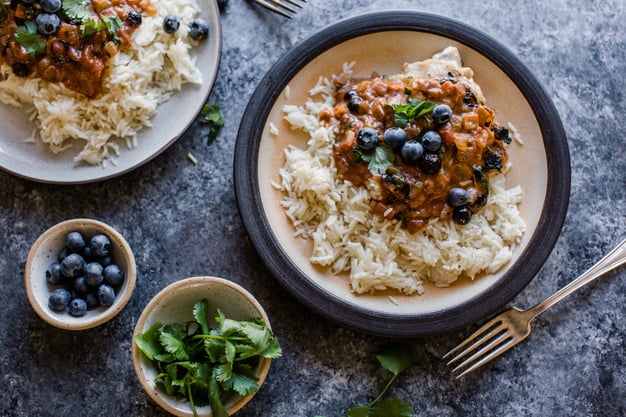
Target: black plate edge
point(327, 304)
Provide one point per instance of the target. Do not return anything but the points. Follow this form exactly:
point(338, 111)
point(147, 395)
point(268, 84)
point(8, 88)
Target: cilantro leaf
point(26, 35)
point(212, 116)
point(174, 345)
point(392, 407)
point(148, 341)
point(414, 109)
point(378, 160)
point(358, 412)
point(201, 314)
point(75, 9)
point(242, 384)
point(394, 359)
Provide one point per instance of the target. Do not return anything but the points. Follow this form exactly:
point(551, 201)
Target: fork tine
point(493, 345)
point(507, 344)
point(487, 326)
point(479, 341)
point(273, 6)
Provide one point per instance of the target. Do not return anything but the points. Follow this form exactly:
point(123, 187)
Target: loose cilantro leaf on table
point(378, 159)
point(212, 116)
point(414, 109)
point(396, 360)
point(205, 364)
point(26, 35)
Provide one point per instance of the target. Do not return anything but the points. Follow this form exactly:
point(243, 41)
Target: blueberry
point(458, 197)
point(441, 114)
point(105, 261)
point(94, 274)
point(72, 265)
point(78, 307)
point(63, 253)
point(50, 6)
point(395, 137)
point(75, 242)
point(412, 150)
point(462, 215)
point(80, 286)
point(113, 275)
point(480, 201)
point(198, 30)
point(170, 24)
point(59, 299)
point(20, 69)
point(431, 141)
point(133, 18)
point(47, 23)
point(53, 274)
point(100, 245)
point(367, 138)
point(106, 295)
point(91, 299)
point(354, 101)
point(430, 163)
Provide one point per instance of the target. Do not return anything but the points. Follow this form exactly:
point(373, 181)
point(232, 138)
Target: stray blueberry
point(198, 30)
point(170, 24)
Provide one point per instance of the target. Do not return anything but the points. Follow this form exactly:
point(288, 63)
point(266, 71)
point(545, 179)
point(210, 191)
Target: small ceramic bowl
point(45, 251)
point(174, 304)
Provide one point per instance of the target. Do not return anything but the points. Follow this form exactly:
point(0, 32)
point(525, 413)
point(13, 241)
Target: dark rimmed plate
point(35, 161)
point(382, 42)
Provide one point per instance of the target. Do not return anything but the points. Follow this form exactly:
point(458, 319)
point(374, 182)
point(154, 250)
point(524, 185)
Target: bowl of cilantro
point(203, 347)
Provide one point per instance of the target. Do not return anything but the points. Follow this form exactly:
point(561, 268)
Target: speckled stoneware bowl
point(44, 252)
point(382, 42)
point(174, 304)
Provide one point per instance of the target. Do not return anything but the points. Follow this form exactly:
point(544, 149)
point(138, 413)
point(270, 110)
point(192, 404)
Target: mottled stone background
point(182, 220)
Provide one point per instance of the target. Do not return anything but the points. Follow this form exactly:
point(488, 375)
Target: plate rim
point(323, 302)
point(93, 178)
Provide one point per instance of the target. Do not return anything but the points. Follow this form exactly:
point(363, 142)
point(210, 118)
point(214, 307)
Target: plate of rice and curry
point(409, 175)
point(93, 89)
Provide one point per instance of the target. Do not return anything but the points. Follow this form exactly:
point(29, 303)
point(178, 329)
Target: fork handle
point(611, 261)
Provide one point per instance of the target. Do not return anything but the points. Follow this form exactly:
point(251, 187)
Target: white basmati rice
point(379, 254)
point(157, 65)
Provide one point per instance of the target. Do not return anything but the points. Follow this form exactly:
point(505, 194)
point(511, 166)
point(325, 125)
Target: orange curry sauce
point(472, 144)
point(71, 57)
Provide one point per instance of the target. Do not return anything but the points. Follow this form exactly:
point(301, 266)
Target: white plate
point(382, 42)
point(36, 162)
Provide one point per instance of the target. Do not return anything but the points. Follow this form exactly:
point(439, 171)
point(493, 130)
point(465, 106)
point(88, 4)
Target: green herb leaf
point(395, 359)
point(76, 9)
point(378, 160)
point(212, 116)
point(358, 412)
point(392, 407)
point(414, 109)
point(217, 408)
point(26, 35)
point(201, 314)
point(242, 384)
point(173, 345)
point(148, 341)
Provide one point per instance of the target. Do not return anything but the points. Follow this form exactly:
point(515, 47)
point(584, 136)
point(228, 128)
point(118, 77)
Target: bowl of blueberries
point(79, 274)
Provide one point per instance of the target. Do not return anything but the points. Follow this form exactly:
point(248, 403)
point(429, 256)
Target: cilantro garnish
point(414, 109)
point(26, 35)
point(202, 363)
point(91, 26)
point(396, 360)
point(212, 116)
point(76, 9)
point(378, 160)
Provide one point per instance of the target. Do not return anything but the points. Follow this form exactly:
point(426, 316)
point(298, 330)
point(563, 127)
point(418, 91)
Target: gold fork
point(281, 7)
point(512, 326)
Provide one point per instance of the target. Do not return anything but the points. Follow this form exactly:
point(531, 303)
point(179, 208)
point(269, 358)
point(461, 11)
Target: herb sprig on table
point(203, 364)
point(396, 360)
